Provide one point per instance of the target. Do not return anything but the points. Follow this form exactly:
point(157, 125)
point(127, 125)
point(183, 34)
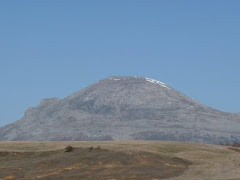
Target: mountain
point(124, 108)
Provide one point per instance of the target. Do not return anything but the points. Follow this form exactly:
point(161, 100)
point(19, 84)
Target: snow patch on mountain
point(157, 82)
point(114, 79)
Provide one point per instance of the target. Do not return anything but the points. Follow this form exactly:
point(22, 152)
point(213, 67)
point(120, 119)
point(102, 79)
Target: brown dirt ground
point(134, 160)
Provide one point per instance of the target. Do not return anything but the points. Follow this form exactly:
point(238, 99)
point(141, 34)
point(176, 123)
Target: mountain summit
point(125, 108)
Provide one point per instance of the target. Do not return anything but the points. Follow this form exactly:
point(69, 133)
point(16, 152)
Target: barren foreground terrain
point(150, 160)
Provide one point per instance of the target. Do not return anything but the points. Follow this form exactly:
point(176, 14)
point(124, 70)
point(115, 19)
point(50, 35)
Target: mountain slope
point(125, 108)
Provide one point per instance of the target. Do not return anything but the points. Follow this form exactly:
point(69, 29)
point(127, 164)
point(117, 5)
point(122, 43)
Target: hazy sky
point(53, 48)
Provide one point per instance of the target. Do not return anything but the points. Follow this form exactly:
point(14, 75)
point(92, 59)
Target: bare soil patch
point(83, 163)
point(112, 160)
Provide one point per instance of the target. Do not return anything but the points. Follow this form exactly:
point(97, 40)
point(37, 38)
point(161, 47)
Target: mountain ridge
point(125, 108)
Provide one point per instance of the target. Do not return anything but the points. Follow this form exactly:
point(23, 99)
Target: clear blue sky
point(53, 48)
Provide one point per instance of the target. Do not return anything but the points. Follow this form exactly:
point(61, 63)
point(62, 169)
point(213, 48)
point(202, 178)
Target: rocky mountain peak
point(125, 108)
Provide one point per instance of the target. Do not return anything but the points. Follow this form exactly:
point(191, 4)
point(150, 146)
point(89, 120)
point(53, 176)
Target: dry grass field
point(136, 160)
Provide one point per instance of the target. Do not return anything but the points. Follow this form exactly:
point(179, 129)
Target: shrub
point(69, 149)
point(90, 149)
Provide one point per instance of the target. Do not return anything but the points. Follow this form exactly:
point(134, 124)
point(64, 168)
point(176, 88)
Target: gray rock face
point(124, 108)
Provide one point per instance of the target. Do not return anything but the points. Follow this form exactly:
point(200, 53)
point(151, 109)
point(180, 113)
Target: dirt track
point(118, 160)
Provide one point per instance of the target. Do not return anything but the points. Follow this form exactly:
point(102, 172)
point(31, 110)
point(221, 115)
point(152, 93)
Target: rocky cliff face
point(125, 108)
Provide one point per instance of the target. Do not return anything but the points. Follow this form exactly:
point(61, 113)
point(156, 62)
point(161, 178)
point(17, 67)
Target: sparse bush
point(98, 147)
point(69, 149)
point(90, 149)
